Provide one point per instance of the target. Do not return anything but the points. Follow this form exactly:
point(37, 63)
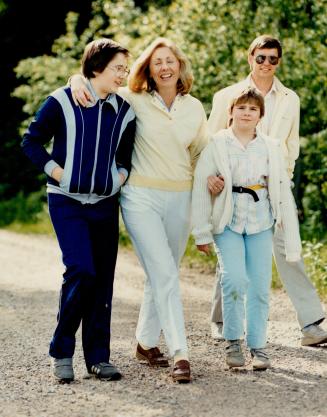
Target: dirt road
point(30, 270)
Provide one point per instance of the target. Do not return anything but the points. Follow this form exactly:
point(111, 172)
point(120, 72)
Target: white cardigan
point(210, 214)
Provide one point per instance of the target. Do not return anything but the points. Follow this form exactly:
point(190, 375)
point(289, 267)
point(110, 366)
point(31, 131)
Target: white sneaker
point(217, 331)
point(313, 335)
point(260, 360)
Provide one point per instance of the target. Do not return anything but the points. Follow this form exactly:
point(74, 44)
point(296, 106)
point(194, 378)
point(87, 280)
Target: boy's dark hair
point(98, 54)
point(265, 41)
point(248, 95)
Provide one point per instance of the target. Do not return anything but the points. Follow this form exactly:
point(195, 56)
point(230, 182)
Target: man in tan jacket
point(281, 120)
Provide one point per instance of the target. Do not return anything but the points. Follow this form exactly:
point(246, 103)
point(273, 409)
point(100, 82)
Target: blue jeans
point(245, 264)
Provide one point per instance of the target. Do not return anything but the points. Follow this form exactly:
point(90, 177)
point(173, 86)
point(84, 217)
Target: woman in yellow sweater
point(171, 131)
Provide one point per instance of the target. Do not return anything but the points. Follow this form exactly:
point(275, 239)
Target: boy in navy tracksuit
point(90, 160)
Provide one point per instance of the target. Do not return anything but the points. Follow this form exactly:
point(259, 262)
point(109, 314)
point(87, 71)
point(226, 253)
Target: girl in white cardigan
point(256, 198)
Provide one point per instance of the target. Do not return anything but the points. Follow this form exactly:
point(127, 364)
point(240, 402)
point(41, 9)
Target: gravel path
point(30, 269)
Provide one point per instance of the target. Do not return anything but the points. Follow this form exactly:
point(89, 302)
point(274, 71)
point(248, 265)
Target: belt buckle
point(241, 189)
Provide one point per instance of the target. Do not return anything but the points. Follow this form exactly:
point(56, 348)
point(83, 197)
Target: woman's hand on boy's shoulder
point(80, 92)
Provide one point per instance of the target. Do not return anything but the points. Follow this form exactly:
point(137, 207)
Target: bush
point(124, 239)
point(315, 257)
point(22, 208)
point(314, 180)
point(215, 35)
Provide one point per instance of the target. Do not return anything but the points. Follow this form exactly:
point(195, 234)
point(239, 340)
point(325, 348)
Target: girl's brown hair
point(248, 95)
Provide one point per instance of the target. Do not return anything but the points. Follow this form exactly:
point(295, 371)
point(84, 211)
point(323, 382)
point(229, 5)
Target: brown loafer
point(181, 372)
point(153, 356)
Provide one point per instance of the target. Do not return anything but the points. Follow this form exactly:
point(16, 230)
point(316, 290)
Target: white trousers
point(158, 223)
point(298, 286)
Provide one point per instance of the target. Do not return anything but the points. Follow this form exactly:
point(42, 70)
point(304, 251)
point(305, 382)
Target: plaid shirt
point(249, 166)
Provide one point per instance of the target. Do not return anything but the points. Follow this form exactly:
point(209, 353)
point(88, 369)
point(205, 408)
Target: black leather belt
point(246, 190)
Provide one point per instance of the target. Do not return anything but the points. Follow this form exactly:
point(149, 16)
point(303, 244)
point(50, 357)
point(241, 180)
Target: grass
point(42, 227)
point(315, 259)
point(314, 253)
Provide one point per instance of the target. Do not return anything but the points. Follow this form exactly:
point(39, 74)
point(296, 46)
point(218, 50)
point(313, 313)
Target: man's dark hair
point(266, 41)
point(98, 54)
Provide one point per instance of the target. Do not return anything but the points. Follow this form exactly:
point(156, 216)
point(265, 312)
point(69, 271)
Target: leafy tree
point(215, 34)
point(314, 149)
point(23, 34)
point(3, 6)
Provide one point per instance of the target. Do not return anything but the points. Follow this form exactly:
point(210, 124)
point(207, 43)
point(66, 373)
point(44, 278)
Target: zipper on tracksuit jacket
point(96, 147)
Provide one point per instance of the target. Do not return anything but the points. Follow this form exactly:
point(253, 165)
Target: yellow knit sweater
point(167, 143)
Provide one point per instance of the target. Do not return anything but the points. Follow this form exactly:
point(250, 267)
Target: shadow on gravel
point(314, 354)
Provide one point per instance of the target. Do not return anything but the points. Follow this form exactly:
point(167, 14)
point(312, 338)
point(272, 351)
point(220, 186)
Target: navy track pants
point(88, 238)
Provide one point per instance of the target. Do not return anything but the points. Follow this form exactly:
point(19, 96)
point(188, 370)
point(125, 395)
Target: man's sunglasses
point(272, 59)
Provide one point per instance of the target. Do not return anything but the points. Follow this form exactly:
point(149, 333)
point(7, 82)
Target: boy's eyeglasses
point(272, 59)
point(119, 70)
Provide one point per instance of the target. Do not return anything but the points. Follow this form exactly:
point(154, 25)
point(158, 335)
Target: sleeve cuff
point(293, 257)
point(50, 166)
point(203, 240)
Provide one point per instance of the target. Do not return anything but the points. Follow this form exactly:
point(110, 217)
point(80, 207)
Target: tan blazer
point(284, 122)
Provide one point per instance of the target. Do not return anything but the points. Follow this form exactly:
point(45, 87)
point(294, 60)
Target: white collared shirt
point(249, 166)
point(270, 101)
point(162, 101)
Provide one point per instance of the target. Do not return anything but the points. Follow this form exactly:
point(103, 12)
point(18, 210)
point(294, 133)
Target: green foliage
point(198, 260)
point(45, 73)
point(24, 209)
point(315, 257)
point(3, 6)
point(314, 149)
point(124, 239)
point(42, 226)
point(215, 35)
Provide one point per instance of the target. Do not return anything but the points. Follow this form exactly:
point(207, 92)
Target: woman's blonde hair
point(140, 80)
